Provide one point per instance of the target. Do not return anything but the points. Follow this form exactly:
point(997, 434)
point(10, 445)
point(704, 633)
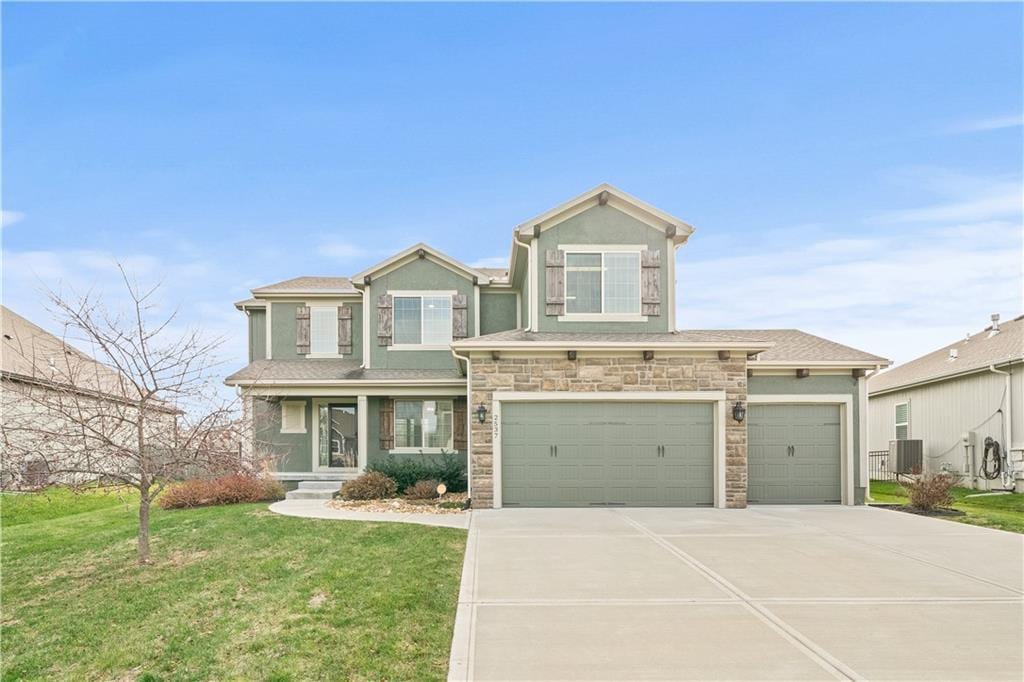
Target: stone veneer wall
point(628, 372)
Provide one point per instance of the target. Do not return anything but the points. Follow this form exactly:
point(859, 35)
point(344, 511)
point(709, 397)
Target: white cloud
point(340, 250)
point(490, 262)
point(915, 281)
point(8, 218)
point(991, 123)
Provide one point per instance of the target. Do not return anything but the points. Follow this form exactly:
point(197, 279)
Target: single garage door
point(793, 454)
point(579, 454)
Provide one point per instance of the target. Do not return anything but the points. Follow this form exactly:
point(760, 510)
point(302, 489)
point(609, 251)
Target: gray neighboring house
point(974, 386)
point(560, 380)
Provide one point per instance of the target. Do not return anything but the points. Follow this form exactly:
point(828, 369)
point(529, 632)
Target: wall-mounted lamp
point(481, 413)
point(739, 412)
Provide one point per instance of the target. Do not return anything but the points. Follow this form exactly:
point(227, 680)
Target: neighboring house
point(560, 381)
point(38, 369)
point(973, 388)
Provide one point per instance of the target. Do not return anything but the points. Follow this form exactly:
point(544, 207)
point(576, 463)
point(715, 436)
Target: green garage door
point(579, 454)
point(793, 454)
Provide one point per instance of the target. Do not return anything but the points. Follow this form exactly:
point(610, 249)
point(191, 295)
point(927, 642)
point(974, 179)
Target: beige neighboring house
point(953, 399)
point(35, 364)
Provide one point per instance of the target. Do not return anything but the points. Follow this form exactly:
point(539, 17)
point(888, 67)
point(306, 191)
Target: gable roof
point(309, 285)
point(33, 355)
point(312, 371)
point(427, 250)
point(615, 198)
point(973, 354)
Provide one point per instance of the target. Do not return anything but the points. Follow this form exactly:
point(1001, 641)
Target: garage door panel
point(609, 453)
point(794, 454)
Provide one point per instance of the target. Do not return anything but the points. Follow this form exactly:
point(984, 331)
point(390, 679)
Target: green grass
point(235, 592)
point(1005, 512)
point(52, 503)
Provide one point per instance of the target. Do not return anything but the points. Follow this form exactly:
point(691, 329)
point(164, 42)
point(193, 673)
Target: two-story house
point(561, 381)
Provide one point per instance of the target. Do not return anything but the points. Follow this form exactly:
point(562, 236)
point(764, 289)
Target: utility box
point(906, 456)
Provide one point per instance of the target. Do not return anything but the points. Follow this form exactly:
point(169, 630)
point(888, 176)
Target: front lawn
point(235, 592)
point(1005, 512)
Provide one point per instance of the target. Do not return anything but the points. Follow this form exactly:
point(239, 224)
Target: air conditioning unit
point(906, 456)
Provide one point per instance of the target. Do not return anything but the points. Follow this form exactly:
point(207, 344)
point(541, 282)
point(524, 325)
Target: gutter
point(529, 278)
point(469, 423)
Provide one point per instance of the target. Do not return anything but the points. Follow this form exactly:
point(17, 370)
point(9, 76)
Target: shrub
point(372, 485)
point(928, 491)
point(230, 489)
point(423, 490)
point(406, 472)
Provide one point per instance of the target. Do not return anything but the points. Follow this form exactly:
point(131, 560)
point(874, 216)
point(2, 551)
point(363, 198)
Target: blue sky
point(852, 170)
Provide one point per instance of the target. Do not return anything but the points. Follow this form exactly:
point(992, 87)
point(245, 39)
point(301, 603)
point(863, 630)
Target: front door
point(338, 439)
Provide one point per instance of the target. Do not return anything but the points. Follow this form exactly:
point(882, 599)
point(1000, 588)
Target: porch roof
point(319, 371)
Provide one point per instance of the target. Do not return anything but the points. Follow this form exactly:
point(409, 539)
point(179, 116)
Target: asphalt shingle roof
point(793, 345)
point(332, 369)
point(521, 336)
point(308, 284)
point(976, 352)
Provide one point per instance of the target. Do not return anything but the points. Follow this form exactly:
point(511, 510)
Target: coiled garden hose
point(992, 468)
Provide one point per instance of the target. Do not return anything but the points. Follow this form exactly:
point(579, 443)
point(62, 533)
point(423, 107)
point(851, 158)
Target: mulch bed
point(939, 511)
point(454, 503)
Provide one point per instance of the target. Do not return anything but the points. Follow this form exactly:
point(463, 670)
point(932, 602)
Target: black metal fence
point(878, 466)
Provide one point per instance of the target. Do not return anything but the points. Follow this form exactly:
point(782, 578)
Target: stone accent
point(628, 372)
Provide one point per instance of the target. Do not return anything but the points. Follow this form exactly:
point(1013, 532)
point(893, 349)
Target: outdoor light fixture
point(481, 413)
point(738, 411)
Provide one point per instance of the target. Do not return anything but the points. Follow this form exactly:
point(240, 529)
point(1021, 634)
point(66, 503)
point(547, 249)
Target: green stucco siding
point(497, 312)
point(282, 331)
point(292, 452)
point(257, 335)
point(824, 384)
point(602, 225)
point(420, 274)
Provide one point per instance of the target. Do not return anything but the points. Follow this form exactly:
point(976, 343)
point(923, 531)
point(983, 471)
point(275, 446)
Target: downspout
point(865, 446)
point(529, 271)
point(1010, 474)
point(469, 424)
point(365, 364)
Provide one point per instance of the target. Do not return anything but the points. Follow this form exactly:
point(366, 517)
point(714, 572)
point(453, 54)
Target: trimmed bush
point(423, 490)
point(372, 485)
point(928, 491)
point(406, 472)
point(230, 489)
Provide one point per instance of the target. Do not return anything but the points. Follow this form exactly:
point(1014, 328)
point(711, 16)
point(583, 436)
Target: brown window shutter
point(650, 282)
point(384, 320)
point(554, 270)
point(387, 423)
point(459, 426)
point(460, 317)
point(344, 330)
point(302, 330)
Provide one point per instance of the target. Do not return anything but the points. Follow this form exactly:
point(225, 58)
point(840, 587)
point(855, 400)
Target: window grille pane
point(408, 427)
point(622, 283)
point(901, 432)
point(437, 320)
point(323, 330)
point(901, 413)
point(583, 283)
point(437, 423)
point(407, 320)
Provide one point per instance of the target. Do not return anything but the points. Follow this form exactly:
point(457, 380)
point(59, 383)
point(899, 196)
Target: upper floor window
point(422, 320)
point(323, 330)
point(602, 282)
point(902, 421)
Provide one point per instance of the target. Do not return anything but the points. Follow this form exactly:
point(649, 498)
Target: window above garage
point(602, 283)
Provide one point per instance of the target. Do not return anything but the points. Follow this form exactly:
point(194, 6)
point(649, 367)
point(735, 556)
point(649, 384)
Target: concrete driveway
point(794, 593)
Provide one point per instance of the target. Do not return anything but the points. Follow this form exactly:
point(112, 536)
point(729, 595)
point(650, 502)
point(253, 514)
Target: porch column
point(363, 427)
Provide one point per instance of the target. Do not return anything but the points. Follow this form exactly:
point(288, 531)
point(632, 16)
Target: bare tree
point(145, 412)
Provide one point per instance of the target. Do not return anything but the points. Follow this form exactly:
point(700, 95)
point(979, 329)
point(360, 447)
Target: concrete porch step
point(320, 485)
point(310, 494)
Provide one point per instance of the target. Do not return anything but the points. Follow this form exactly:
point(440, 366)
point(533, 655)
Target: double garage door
point(651, 454)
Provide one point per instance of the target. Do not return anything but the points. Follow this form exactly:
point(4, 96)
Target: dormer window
point(602, 283)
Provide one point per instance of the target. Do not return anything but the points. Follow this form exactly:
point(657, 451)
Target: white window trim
point(895, 424)
point(301, 404)
point(362, 427)
point(401, 293)
point(320, 304)
point(416, 450)
point(602, 249)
